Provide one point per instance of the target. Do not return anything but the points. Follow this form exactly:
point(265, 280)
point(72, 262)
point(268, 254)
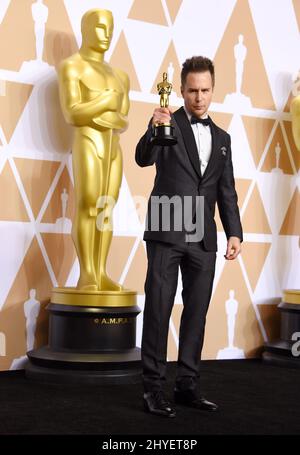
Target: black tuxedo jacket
point(178, 173)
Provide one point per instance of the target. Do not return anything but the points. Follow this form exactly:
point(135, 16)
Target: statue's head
point(97, 29)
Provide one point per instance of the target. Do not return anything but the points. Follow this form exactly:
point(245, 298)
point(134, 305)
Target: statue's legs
point(30, 331)
point(104, 232)
point(230, 328)
point(87, 179)
point(239, 77)
point(164, 100)
point(39, 44)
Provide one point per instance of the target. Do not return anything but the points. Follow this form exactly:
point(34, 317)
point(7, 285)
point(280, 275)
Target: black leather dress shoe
point(191, 399)
point(156, 403)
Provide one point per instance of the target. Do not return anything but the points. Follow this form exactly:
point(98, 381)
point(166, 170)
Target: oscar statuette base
point(285, 352)
point(92, 339)
point(163, 135)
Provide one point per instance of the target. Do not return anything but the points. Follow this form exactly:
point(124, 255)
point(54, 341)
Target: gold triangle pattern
point(258, 223)
point(296, 4)
point(249, 61)
point(18, 18)
point(61, 252)
point(62, 202)
point(247, 336)
point(291, 225)
point(242, 187)
point(118, 255)
point(36, 189)
point(121, 59)
point(258, 133)
point(148, 12)
point(32, 275)
point(139, 117)
point(171, 66)
point(173, 7)
point(137, 271)
point(12, 208)
point(254, 256)
point(60, 44)
point(277, 158)
point(14, 102)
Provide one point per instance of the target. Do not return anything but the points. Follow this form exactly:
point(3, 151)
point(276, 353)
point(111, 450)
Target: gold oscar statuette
point(295, 111)
point(163, 133)
point(94, 100)
point(92, 327)
point(279, 352)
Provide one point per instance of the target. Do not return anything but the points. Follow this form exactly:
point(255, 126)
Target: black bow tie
point(203, 121)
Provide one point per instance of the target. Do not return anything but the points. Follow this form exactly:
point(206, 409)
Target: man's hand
point(161, 115)
point(233, 248)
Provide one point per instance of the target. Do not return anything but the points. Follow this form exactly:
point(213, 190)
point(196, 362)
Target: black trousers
point(197, 269)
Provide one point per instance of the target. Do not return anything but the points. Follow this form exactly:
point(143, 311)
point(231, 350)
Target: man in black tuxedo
point(198, 165)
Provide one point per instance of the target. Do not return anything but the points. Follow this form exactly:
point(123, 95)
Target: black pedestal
point(286, 351)
point(92, 345)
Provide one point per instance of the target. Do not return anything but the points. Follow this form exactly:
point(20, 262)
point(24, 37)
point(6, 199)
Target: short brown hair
point(197, 64)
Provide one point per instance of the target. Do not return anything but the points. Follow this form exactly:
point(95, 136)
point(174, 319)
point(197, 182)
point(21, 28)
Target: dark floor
point(254, 398)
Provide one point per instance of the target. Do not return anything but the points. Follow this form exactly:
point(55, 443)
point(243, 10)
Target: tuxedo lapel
point(188, 138)
point(214, 147)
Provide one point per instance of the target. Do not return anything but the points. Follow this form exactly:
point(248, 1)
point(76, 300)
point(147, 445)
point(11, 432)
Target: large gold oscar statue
point(295, 111)
point(92, 327)
point(94, 99)
point(284, 351)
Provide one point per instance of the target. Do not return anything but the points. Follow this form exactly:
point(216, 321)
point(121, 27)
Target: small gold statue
point(164, 89)
point(163, 133)
point(94, 99)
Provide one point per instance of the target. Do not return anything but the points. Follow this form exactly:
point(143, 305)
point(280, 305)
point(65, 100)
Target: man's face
point(197, 93)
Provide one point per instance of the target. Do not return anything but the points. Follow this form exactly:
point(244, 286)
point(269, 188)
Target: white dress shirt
point(202, 135)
